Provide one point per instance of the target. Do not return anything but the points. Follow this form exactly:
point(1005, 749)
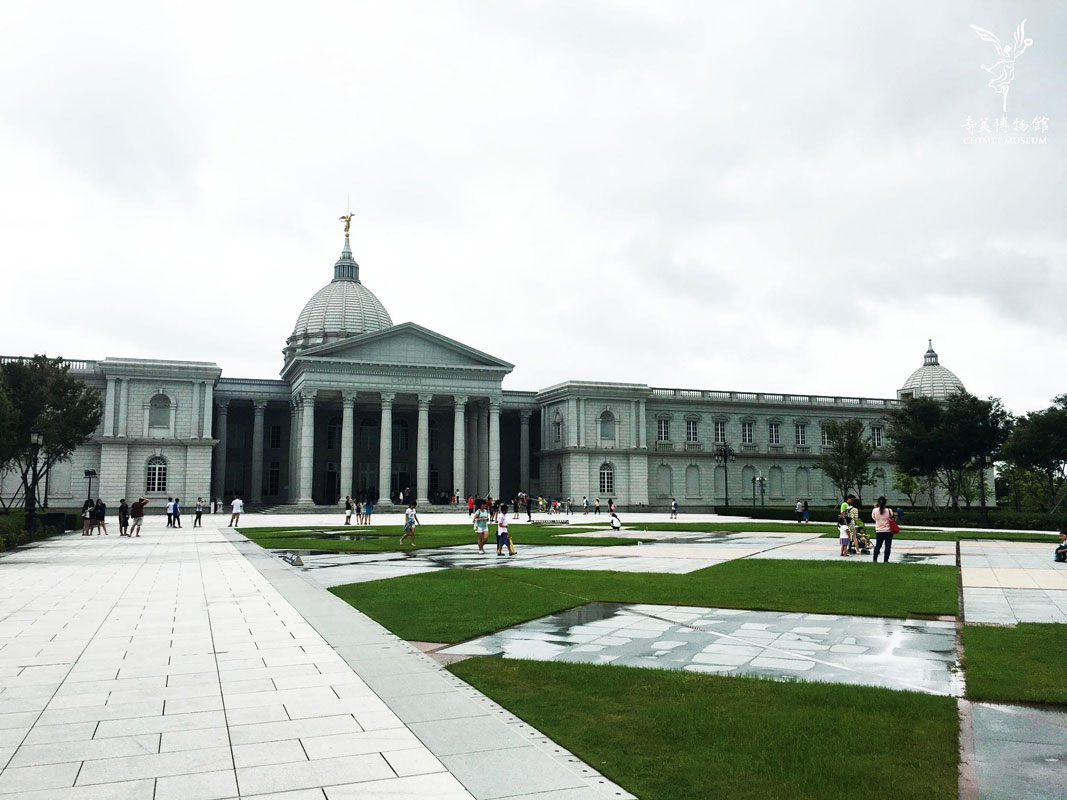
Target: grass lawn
point(425, 535)
point(736, 527)
point(667, 735)
point(1020, 664)
point(952, 536)
point(454, 605)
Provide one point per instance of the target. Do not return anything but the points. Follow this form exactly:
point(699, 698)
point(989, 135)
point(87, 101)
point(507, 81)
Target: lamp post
point(762, 490)
point(36, 440)
point(90, 474)
point(725, 455)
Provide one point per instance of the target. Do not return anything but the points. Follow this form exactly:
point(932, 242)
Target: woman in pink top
point(882, 516)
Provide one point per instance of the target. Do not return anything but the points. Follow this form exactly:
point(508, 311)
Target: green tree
point(41, 393)
point(914, 433)
point(1038, 443)
point(907, 485)
point(847, 464)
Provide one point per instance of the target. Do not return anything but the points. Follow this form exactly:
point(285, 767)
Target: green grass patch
point(914, 534)
point(1020, 664)
point(666, 735)
point(426, 536)
point(454, 605)
point(736, 527)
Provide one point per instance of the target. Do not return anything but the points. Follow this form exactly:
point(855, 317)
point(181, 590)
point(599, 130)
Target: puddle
point(348, 537)
point(912, 655)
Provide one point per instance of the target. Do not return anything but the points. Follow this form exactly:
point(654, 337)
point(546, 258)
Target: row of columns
point(483, 456)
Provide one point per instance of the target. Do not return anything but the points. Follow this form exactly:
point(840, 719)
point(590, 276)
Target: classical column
point(459, 446)
point(483, 451)
point(572, 423)
point(494, 447)
point(422, 470)
point(207, 409)
point(385, 450)
point(524, 451)
point(218, 484)
point(472, 452)
point(292, 469)
point(194, 422)
point(124, 406)
point(348, 447)
point(109, 409)
point(258, 408)
point(307, 446)
point(642, 430)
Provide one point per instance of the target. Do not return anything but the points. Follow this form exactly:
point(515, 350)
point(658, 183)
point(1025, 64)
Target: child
point(502, 537)
point(616, 523)
point(348, 510)
point(411, 519)
point(1061, 551)
point(481, 525)
point(843, 537)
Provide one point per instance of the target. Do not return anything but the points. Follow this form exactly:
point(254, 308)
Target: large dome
point(343, 307)
point(931, 380)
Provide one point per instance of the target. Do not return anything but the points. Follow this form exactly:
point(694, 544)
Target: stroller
point(859, 542)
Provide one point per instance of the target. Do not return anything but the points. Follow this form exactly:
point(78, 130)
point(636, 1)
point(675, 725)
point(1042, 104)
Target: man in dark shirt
point(137, 516)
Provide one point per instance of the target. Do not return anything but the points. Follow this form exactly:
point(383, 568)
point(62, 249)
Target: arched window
point(368, 434)
point(156, 476)
point(878, 478)
point(776, 482)
point(557, 429)
point(692, 481)
point(803, 483)
point(663, 480)
point(400, 435)
point(607, 479)
point(159, 416)
point(607, 426)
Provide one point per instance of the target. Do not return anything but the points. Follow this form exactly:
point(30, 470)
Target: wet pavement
point(1006, 583)
point(917, 655)
point(1020, 752)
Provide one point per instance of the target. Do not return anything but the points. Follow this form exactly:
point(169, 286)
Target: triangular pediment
point(406, 344)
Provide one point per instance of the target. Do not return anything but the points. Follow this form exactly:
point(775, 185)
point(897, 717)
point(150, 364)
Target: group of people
point(130, 517)
point(852, 533)
point(363, 507)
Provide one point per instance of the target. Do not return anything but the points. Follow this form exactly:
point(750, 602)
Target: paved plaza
point(916, 655)
point(191, 665)
point(1009, 582)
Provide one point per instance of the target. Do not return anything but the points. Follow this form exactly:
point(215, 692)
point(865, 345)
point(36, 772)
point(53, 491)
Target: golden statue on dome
point(348, 222)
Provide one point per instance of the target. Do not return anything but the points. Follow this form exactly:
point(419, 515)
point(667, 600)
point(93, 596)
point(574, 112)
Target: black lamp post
point(725, 455)
point(762, 490)
point(36, 440)
point(90, 474)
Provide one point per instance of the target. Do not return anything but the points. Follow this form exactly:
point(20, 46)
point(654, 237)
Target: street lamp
point(725, 455)
point(90, 474)
point(36, 440)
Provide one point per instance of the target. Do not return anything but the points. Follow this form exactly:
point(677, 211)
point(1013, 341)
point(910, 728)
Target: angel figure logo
point(1003, 70)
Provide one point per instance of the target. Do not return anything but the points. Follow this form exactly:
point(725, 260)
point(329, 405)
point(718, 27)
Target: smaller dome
point(931, 380)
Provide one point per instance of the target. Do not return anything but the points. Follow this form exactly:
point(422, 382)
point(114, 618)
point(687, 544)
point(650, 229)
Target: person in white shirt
point(502, 537)
point(199, 512)
point(238, 505)
point(616, 523)
point(800, 511)
point(411, 519)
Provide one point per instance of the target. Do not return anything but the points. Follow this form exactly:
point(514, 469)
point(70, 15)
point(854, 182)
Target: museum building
point(363, 405)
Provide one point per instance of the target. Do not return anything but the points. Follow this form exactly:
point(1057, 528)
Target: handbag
point(893, 527)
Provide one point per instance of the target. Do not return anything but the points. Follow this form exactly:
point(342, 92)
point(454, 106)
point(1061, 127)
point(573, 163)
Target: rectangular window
point(826, 440)
point(746, 433)
point(691, 430)
point(876, 435)
point(274, 479)
point(774, 433)
point(333, 436)
point(802, 434)
point(275, 437)
point(720, 432)
point(435, 438)
point(557, 432)
point(663, 430)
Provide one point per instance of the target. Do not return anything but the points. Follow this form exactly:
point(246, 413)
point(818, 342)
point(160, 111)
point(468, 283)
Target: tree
point(908, 485)
point(942, 441)
point(41, 393)
point(1038, 444)
point(847, 465)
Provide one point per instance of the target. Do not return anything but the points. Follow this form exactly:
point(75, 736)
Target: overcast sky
point(749, 196)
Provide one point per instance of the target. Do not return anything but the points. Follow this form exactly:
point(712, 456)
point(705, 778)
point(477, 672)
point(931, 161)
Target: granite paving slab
point(1020, 752)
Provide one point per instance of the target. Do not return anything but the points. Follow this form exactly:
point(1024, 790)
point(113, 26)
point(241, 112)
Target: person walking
point(237, 506)
point(800, 511)
point(470, 505)
point(87, 517)
point(177, 512)
point(481, 525)
point(137, 516)
point(124, 518)
point(596, 506)
point(170, 512)
point(199, 512)
point(674, 508)
point(883, 529)
point(100, 516)
point(529, 508)
point(502, 537)
point(411, 519)
point(585, 504)
point(348, 510)
point(611, 506)
point(806, 512)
